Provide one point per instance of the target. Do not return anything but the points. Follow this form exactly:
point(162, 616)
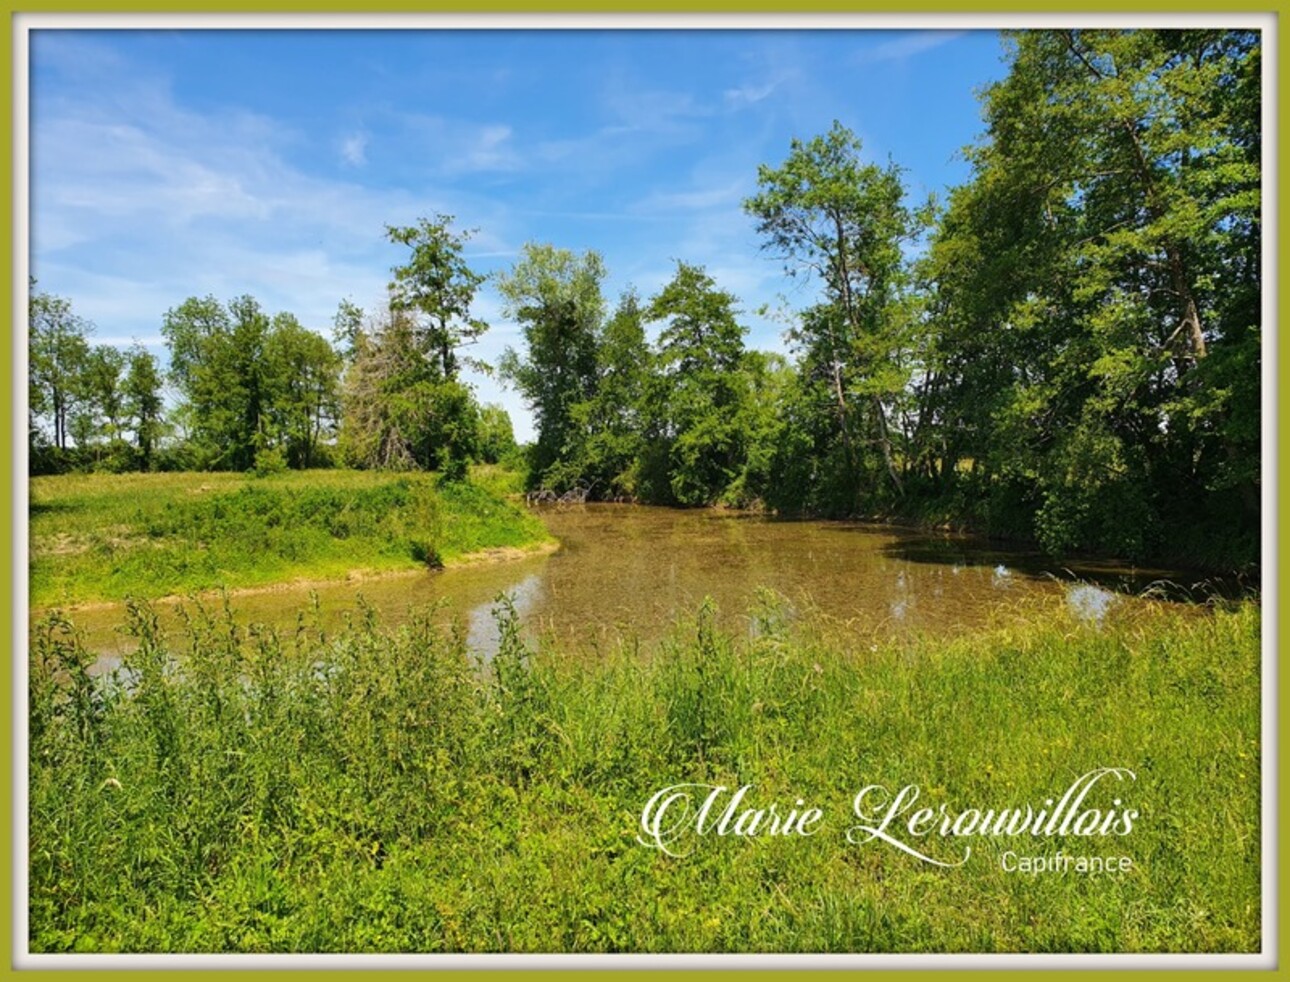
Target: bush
point(269, 461)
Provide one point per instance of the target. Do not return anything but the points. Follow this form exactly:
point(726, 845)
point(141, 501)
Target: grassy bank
point(377, 791)
point(106, 537)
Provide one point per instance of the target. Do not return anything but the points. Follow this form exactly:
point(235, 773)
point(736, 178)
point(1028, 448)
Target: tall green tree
point(496, 434)
point(101, 407)
point(700, 354)
point(143, 404)
point(614, 419)
point(838, 219)
point(398, 412)
point(556, 297)
point(1098, 287)
point(217, 362)
point(304, 382)
point(411, 406)
point(347, 325)
point(437, 287)
point(58, 349)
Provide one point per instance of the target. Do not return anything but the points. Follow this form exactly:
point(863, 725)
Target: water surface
point(630, 570)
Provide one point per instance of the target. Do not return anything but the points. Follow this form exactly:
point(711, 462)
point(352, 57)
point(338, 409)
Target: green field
point(378, 791)
point(96, 537)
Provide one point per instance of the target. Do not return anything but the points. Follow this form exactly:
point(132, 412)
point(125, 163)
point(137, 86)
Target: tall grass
point(380, 790)
point(106, 537)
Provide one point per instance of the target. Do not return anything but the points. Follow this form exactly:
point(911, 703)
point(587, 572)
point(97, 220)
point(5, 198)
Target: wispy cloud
point(449, 146)
point(353, 149)
point(751, 93)
point(906, 46)
point(654, 110)
point(492, 150)
point(699, 199)
point(133, 212)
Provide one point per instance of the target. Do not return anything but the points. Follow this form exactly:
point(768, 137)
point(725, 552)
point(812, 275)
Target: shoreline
point(362, 574)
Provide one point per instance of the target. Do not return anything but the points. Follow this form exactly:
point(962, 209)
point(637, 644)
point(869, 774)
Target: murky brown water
point(632, 570)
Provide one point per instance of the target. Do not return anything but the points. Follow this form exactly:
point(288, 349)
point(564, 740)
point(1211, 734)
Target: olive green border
point(9, 291)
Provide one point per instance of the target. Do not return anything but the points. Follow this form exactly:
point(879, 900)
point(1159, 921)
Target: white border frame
point(24, 23)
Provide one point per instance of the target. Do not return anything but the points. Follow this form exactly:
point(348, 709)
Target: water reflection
point(1090, 602)
point(482, 634)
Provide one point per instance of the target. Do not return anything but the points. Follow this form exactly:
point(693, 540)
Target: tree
point(828, 214)
point(217, 363)
point(101, 406)
point(437, 288)
point(378, 426)
point(190, 329)
point(142, 402)
point(556, 297)
point(58, 350)
point(767, 384)
point(1098, 287)
point(496, 434)
point(613, 420)
point(347, 325)
point(304, 377)
point(398, 412)
point(700, 356)
point(430, 300)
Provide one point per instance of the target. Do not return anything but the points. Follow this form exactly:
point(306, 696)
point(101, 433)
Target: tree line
point(261, 392)
point(1067, 349)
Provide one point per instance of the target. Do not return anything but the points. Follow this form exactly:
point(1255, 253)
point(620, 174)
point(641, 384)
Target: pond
point(631, 570)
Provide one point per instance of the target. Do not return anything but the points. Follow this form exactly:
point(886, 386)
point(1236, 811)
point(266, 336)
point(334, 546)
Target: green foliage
point(696, 399)
point(100, 413)
point(1067, 352)
point(437, 287)
point(399, 412)
point(404, 405)
point(828, 214)
point(269, 461)
point(555, 295)
point(668, 423)
point(303, 390)
point(496, 435)
point(143, 403)
point(1096, 287)
point(614, 419)
point(378, 790)
point(218, 361)
point(58, 353)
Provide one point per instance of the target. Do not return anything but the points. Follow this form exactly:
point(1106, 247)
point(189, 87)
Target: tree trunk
point(884, 441)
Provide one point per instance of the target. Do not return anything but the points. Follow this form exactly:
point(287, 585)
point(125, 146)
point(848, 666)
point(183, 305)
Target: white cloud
point(353, 149)
point(653, 110)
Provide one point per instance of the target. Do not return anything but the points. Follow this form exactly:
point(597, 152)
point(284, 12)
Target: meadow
point(379, 789)
point(105, 537)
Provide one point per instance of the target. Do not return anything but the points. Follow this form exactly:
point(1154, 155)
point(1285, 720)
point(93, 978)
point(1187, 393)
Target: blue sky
point(169, 164)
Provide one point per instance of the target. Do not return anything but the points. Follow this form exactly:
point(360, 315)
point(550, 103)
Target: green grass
point(106, 537)
point(378, 791)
